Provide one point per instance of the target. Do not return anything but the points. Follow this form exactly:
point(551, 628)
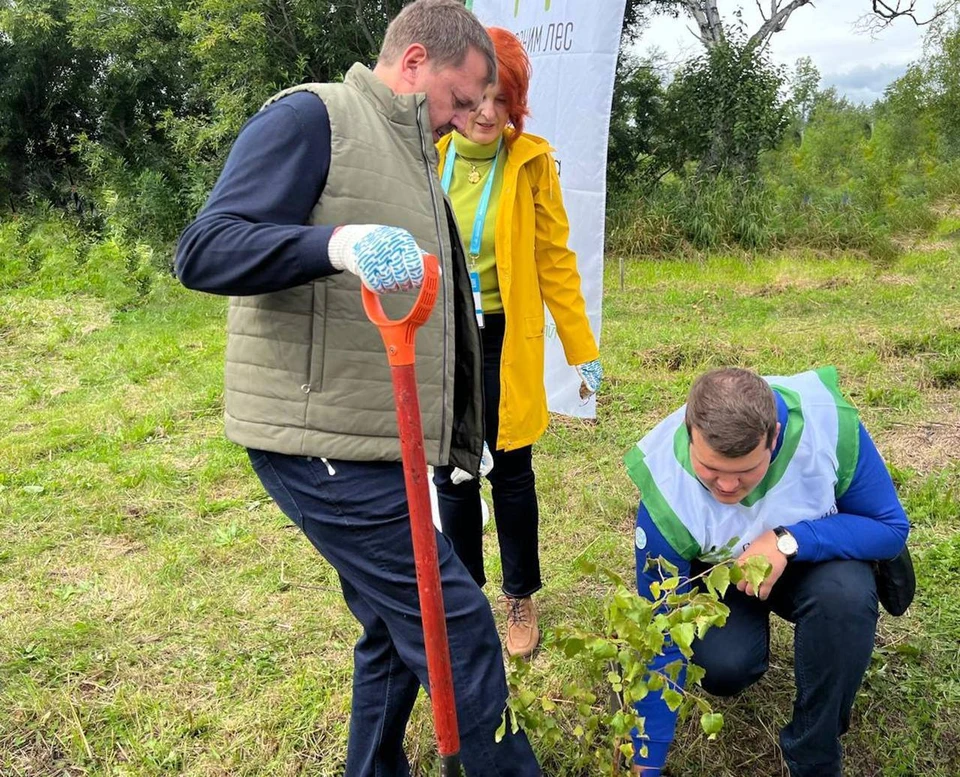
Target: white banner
point(573, 47)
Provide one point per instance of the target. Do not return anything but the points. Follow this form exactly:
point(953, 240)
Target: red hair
point(513, 72)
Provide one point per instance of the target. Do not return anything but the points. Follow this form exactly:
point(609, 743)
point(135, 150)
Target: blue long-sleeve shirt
point(870, 525)
point(252, 237)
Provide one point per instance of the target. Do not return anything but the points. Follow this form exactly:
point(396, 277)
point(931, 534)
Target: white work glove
point(387, 259)
point(459, 476)
point(591, 376)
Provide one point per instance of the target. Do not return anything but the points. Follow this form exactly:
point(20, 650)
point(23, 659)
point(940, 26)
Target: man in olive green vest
point(327, 187)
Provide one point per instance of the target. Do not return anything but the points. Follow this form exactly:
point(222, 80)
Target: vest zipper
point(443, 283)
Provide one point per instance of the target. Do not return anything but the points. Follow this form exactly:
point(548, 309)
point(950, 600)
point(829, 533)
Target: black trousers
point(514, 492)
point(833, 606)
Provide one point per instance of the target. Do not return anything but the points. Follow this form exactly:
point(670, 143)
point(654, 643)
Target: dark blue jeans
point(512, 483)
point(833, 606)
point(356, 515)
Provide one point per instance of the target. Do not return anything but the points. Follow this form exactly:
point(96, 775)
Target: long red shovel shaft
point(399, 337)
point(425, 556)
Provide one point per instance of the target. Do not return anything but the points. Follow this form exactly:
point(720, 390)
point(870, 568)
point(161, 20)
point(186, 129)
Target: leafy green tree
point(636, 125)
point(906, 108)
point(922, 105)
point(804, 87)
point(145, 72)
point(943, 77)
point(47, 89)
point(132, 104)
point(248, 49)
point(724, 108)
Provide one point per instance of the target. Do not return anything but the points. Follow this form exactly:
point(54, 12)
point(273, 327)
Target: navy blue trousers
point(356, 515)
point(833, 606)
point(513, 486)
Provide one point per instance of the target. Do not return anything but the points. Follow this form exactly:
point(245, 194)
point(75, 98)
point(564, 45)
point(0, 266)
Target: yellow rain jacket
point(534, 266)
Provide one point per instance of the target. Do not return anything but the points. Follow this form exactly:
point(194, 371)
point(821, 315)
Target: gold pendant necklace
point(474, 175)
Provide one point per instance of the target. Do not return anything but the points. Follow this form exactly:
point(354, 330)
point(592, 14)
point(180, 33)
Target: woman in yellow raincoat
point(505, 190)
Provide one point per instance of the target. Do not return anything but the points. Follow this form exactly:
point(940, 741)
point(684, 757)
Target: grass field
point(160, 616)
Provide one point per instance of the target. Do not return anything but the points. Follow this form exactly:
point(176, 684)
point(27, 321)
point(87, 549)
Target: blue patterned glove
point(591, 375)
point(387, 259)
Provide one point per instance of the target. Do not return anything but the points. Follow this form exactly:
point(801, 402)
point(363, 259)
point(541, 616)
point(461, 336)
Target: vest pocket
point(533, 325)
point(318, 332)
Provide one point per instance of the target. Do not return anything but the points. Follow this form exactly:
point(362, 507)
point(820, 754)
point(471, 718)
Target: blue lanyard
point(481, 215)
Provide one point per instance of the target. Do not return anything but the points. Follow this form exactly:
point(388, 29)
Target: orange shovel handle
point(400, 336)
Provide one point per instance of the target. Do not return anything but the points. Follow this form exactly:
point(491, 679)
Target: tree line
point(122, 112)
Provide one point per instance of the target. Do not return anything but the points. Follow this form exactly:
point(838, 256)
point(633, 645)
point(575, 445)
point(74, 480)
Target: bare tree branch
point(713, 15)
point(776, 22)
point(885, 13)
point(694, 9)
point(707, 17)
point(358, 4)
point(711, 31)
point(696, 35)
point(288, 33)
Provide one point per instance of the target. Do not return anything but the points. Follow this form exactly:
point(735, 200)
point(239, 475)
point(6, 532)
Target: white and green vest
point(812, 469)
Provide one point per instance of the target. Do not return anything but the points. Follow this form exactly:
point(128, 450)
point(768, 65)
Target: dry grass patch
point(679, 356)
point(786, 284)
point(896, 279)
point(929, 445)
point(39, 757)
point(947, 243)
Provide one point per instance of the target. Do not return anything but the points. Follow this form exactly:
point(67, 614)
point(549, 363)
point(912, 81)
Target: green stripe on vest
point(666, 520)
point(848, 433)
point(791, 441)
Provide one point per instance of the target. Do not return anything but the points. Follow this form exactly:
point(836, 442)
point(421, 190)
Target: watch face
point(787, 545)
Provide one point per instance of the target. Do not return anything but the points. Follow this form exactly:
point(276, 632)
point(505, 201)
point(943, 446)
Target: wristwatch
point(786, 542)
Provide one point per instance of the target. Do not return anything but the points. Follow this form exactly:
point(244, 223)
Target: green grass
point(160, 616)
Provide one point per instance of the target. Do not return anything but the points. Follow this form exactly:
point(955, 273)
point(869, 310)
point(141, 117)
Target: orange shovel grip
point(400, 336)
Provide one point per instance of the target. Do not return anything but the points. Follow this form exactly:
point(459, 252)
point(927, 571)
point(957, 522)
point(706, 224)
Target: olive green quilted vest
point(306, 372)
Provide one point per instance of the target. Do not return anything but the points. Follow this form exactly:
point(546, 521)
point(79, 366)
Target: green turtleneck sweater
point(465, 197)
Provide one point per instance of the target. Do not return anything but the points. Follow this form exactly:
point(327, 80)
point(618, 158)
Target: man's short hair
point(445, 28)
point(733, 409)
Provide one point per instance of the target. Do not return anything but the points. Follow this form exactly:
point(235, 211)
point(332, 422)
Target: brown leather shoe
point(523, 635)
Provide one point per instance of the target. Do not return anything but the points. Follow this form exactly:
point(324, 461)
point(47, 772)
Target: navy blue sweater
point(870, 525)
point(251, 236)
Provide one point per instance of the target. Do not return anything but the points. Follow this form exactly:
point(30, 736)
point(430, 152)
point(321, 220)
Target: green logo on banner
point(516, 6)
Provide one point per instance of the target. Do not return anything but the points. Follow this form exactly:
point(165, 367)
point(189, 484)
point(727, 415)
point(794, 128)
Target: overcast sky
point(859, 66)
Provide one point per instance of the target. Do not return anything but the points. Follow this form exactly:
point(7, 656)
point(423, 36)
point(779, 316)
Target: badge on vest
point(641, 538)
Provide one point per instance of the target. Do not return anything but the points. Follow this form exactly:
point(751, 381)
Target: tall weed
point(51, 255)
point(848, 184)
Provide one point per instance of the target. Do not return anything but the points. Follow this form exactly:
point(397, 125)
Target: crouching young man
point(780, 467)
